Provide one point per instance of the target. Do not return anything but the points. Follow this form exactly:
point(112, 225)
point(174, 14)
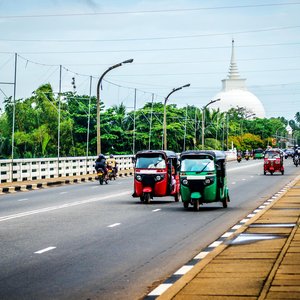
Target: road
point(86, 241)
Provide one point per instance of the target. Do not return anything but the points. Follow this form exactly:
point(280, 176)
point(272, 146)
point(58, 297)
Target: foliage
point(36, 127)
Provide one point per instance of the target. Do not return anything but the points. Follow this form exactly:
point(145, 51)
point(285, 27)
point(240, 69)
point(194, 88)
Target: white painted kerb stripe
point(201, 255)
point(155, 210)
point(227, 234)
point(44, 250)
point(160, 289)
point(183, 270)
point(215, 244)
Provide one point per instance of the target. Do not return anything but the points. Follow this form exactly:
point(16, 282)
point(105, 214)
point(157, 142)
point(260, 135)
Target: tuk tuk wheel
point(142, 198)
point(225, 201)
point(265, 172)
point(282, 172)
point(196, 205)
point(271, 173)
point(147, 198)
point(186, 204)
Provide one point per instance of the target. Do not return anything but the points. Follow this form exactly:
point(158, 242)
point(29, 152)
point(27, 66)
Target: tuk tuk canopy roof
point(167, 153)
point(217, 154)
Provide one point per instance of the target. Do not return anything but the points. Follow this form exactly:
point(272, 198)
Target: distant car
point(289, 152)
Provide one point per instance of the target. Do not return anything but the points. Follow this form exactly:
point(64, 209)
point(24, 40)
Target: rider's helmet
point(101, 156)
point(111, 156)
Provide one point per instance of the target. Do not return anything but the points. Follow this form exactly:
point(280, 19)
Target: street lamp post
point(203, 118)
point(98, 100)
point(165, 113)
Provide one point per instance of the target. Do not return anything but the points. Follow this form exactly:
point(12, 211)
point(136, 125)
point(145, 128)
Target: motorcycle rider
point(113, 163)
point(101, 163)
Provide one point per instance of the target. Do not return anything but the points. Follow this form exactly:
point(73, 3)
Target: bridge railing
point(43, 168)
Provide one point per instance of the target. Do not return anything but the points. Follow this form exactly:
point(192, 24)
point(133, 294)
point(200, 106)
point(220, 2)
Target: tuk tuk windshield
point(272, 155)
point(197, 164)
point(150, 162)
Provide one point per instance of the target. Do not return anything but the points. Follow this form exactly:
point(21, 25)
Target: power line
point(157, 49)
point(149, 38)
point(148, 11)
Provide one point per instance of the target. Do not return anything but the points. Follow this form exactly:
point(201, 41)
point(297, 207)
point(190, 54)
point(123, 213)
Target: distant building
point(235, 94)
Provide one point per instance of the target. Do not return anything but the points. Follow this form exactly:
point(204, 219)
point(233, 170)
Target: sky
point(172, 42)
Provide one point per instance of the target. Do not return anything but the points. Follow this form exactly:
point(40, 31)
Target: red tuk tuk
point(155, 175)
point(273, 161)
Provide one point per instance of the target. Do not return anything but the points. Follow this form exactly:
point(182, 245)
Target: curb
point(55, 182)
point(172, 285)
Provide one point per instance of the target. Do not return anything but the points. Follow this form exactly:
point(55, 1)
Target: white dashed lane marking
point(61, 193)
point(25, 199)
point(114, 225)
point(44, 250)
point(155, 210)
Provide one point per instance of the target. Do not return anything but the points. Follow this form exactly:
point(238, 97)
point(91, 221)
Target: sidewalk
point(259, 258)
point(17, 186)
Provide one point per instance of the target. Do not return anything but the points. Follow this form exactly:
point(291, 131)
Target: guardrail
point(43, 168)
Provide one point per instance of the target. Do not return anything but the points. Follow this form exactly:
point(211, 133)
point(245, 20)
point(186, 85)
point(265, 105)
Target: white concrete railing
point(42, 168)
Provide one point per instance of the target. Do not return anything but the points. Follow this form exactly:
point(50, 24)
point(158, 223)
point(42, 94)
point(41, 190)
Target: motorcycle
point(239, 158)
point(111, 172)
point(247, 156)
point(102, 177)
point(296, 160)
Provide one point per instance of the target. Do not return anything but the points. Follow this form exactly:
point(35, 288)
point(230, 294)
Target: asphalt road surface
point(86, 241)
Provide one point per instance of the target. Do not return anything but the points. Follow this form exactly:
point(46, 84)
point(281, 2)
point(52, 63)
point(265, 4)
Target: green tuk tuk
point(203, 178)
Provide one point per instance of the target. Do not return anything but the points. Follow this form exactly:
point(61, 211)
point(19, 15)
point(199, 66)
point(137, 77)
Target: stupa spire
point(233, 69)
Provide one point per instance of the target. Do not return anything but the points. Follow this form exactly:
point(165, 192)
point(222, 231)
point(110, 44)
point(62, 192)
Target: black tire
point(142, 198)
point(177, 197)
point(225, 201)
point(147, 198)
point(282, 172)
point(186, 204)
point(265, 172)
point(272, 173)
point(196, 205)
point(101, 180)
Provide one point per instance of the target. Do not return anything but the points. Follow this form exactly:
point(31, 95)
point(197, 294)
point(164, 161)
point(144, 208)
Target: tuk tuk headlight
point(138, 177)
point(207, 181)
point(185, 182)
point(159, 177)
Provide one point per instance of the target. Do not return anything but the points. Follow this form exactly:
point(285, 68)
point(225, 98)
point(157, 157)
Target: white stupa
point(235, 94)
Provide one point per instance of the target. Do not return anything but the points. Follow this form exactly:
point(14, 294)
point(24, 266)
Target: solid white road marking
point(61, 193)
point(114, 225)
point(232, 182)
point(51, 208)
point(155, 210)
point(25, 199)
point(44, 250)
